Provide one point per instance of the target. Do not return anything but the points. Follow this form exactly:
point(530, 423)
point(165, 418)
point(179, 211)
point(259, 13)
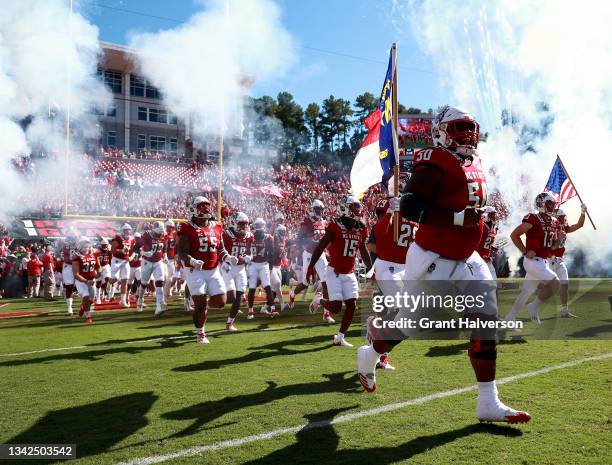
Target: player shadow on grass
point(318, 441)
point(604, 331)
point(457, 349)
point(266, 351)
point(206, 412)
point(95, 355)
point(95, 427)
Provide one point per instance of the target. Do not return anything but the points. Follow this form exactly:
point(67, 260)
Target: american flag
point(559, 184)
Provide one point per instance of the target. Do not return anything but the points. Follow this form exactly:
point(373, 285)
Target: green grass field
point(131, 386)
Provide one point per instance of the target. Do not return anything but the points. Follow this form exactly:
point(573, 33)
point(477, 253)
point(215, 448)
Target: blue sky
point(325, 30)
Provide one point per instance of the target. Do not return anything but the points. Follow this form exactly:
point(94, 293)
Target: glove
point(196, 264)
point(247, 259)
point(393, 205)
point(583, 208)
point(231, 260)
point(148, 254)
point(470, 217)
point(226, 267)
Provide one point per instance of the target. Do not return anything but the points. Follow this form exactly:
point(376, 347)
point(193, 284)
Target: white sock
point(200, 330)
point(69, 303)
point(272, 309)
point(230, 320)
point(87, 314)
point(159, 295)
point(317, 299)
point(487, 391)
point(371, 355)
point(123, 297)
point(250, 309)
point(340, 335)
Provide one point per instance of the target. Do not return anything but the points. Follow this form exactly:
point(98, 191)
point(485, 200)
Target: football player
point(445, 195)
point(136, 267)
point(103, 255)
point(67, 250)
point(540, 230)
point(344, 236)
point(556, 261)
point(238, 240)
point(486, 248)
point(85, 265)
point(279, 253)
point(200, 248)
point(122, 248)
point(259, 268)
point(311, 231)
point(153, 253)
point(391, 254)
point(171, 279)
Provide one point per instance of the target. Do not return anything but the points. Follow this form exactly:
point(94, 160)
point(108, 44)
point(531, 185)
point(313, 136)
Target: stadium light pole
point(69, 85)
point(222, 130)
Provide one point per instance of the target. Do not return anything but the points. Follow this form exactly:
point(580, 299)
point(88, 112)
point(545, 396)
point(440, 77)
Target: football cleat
point(250, 315)
point(327, 318)
point(98, 301)
point(230, 327)
point(139, 305)
point(366, 368)
point(202, 339)
point(88, 320)
point(264, 310)
point(498, 412)
point(340, 341)
point(565, 313)
point(533, 312)
point(124, 304)
point(383, 363)
point(70, 313)
point(274, 314)
point(158, 310)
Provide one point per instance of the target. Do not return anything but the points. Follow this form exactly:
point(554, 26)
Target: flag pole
point(396, 218)
point(221, 135)
point(577, 194)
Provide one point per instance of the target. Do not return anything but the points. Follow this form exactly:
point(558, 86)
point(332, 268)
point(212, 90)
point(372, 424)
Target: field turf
point(131, 386)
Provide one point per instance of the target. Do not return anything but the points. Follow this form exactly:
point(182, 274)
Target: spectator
point(48, 275)
point(34, 269)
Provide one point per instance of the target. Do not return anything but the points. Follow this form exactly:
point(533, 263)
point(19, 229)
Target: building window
point(142, 114)
point(172, 119)
point(111, 110)
point(137, 86)
point(112, 80)
point(158, 143)
point(142, 142)
point(151, 91)
point(173, 146)
point(111, 139)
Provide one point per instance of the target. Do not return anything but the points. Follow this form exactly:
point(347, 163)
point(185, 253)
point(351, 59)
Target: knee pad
point(483, 349)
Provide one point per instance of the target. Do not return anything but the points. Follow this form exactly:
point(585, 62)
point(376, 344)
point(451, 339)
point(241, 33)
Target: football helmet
point(104, 244)
point(350, 207)
point(561, 216)
point(137, 235)
point(279, 217)
point(239, 224)
point(456, 130)
point(84, 245)
point(489, 213)
point(545, 203)
point(126, 231)
point(316, 209)
point(280, 231)
point(201, 208)
point(169, 224)
point(158, 228)
point(259, 224)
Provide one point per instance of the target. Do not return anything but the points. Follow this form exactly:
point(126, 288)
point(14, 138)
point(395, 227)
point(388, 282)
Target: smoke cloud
point(548, 66)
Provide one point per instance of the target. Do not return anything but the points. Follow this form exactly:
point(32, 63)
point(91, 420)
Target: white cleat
point(533, 313)
point(264, 310)
point(139, 305)
point(313, 307)
point(250, 315)
point(366, 368)
point(383, 363)
point(124, 304)
point(340, 341)
point(98, 301)
point(230, 327)
point(202, 339)
point(327, 318)
point(565, 313)
point(498, 412)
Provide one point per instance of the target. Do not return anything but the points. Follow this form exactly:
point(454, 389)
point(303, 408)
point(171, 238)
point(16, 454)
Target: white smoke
point(202, 66)
point(48, 63)
point(515, 56)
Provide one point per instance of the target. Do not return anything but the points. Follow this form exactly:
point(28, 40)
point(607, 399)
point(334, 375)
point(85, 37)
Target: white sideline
point(348, 417)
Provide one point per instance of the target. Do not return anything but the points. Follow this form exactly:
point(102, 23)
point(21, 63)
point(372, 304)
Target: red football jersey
point(171, 244)
point(386, 248)
point(463, 186)
point(125, 247)
point(559, 251)
point(59, 264)
point(311, 233)
point(485, 247)
point(344, 246)
point(237, 246)
point(262, 250)
point(206, 242)
point(279, 252)
point(150, 243)
point(103, 256)
point(541, 237)
point(87, 265)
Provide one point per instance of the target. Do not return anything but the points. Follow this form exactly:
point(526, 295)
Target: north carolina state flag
point(367, 170)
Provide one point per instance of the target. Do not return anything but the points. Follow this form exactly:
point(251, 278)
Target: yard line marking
point(348, 417)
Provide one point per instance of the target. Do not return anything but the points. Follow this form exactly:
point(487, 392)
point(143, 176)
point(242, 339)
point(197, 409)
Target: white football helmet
point(545, 203)
point(456, 130)
point(259, 224)
point(316, 210)
point(84, 245)
point(169, 224)
point(201, 208)
point(489, 213)
point(126, 231)
point(104, 244)
point(561, 216)
point(239, 223)
point(137, 235)
point(350, 207)
point(158, 228)
point(280, 231)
